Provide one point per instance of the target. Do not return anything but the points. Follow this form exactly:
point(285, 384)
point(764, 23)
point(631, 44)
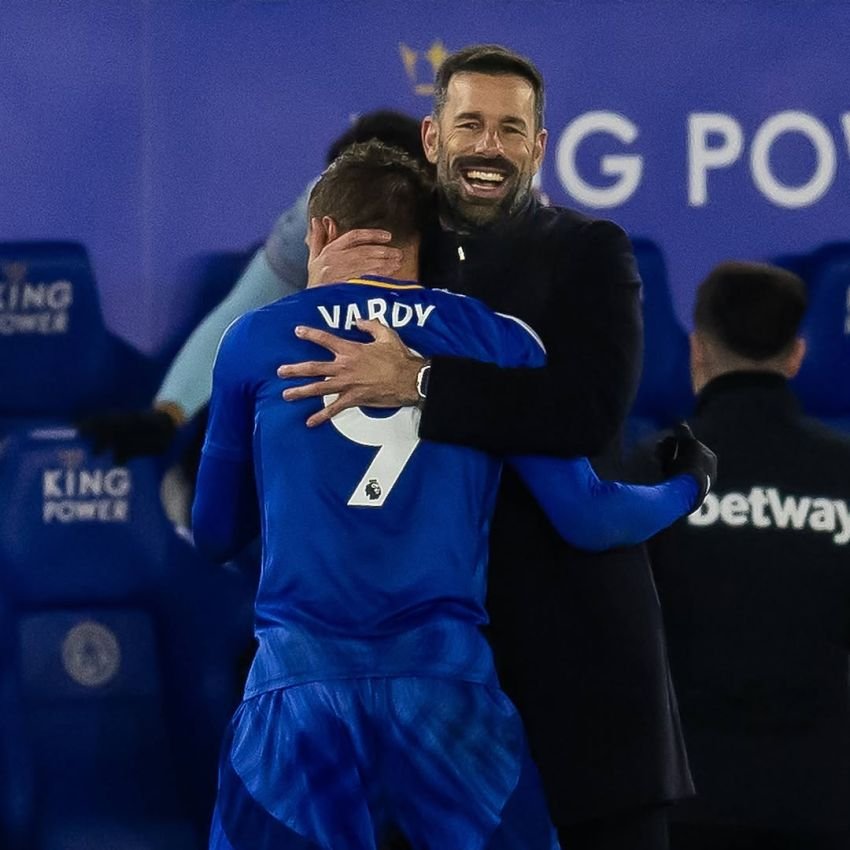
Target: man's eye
point(467, 125)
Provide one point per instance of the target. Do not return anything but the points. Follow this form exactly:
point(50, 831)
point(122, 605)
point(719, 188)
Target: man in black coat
point(578, 637)
point(755, 586)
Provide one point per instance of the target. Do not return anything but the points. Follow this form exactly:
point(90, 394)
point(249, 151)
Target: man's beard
point(470, 213)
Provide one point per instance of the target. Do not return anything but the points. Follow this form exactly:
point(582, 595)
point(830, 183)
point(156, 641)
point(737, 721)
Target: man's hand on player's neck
point(357, 252)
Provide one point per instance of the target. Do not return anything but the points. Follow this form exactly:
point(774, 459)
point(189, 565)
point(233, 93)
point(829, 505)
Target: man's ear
point(697, 346)
point(698, 358)
point(331, 228)
point(320, 231)
point(539, 149)
point(795, 358)
point(430, 138)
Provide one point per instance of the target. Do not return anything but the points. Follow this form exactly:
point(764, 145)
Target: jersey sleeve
point(225, 513)
point(496, 338)
point(231, 416)
point(594, 514)
point(521, 347)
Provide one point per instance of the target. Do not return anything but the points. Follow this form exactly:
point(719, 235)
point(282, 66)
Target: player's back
point(375, 542)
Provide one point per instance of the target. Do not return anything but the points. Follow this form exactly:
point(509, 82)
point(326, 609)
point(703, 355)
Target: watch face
point(422, 380)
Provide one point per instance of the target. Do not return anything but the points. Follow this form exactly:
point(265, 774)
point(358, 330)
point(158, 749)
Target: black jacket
point(577, 636)
point(756, 596)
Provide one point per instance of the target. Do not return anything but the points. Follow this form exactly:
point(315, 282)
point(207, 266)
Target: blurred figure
point(279, 268)
point(755, 586)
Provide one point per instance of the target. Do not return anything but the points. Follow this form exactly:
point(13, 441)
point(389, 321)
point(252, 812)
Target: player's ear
point(317, 237)
point(430, 138)
point(697, 361)
point(331, 228)
point(795, 358)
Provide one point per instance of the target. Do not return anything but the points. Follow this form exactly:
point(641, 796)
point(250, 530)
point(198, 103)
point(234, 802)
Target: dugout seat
point(57, 358)
point(203, 282)
point(16, 792)
point(664, 395)
point(823, 384)
point(123, 652)
point(120, 657)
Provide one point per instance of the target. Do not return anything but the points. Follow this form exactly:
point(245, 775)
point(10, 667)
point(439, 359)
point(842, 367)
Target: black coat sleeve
point(592, 327)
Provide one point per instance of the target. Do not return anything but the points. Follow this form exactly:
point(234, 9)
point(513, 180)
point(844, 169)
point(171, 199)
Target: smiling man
point(578, 637)
point(487, 144)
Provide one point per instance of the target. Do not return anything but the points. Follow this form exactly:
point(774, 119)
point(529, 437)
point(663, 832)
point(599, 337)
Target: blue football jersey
point(374, 541)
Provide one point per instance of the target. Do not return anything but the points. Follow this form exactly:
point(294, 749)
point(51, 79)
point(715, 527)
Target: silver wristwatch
point(422, 381)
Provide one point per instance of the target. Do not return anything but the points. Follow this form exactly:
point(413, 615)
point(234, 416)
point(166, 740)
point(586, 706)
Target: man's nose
point(490, 142)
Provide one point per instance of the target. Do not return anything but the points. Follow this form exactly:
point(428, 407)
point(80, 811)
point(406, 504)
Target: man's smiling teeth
point(488, 176)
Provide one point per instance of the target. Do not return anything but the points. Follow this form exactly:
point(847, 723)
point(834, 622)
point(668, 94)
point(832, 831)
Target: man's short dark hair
point(752, 309)
point(489, 59)
point(371, 184)
point(387, 126)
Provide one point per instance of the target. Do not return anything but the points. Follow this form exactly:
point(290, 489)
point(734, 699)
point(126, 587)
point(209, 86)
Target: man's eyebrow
point(465, 116)
point(506, 119)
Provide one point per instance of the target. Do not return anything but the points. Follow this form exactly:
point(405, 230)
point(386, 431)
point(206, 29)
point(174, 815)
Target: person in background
point(373, 700)
point(755, 586)
point(577, 636)
point(277, 269)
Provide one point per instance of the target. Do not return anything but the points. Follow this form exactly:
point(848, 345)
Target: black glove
point(129, 434)
point(683, 454)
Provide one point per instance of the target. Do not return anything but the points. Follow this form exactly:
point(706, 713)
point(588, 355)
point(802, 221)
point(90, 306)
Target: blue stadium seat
point(57, 358)
point(823, 383)
point(664, 395)
point(96, 730)
point(124, 651)
point(203, 281)
point(16, 787)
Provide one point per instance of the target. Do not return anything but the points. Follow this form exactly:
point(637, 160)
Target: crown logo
point(434, 56)
point(15, 272)
point(71, 458)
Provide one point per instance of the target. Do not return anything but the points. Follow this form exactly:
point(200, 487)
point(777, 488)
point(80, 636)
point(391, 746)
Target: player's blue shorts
point(336, 764)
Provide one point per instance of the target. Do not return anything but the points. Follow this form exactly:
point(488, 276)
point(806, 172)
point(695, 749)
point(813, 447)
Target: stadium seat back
point(823, 383)
point(53, 342)
point(16, 786)
point(203, 282)
point(124, 646)
point(76, 527)
point(95, 717)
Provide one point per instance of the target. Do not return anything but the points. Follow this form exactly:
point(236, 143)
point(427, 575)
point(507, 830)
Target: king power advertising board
point(155, 131)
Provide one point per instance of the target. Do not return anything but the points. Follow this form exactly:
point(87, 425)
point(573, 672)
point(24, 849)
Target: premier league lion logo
point(373, 489)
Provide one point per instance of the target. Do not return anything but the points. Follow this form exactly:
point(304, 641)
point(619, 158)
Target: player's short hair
point(371, 184)
point(752, 309)
point(387, 126)
point(489, 59)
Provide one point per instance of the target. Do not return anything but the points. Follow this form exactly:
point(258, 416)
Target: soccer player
point(373, 702)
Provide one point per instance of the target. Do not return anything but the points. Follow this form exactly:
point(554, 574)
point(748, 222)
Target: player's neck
point(409, 268)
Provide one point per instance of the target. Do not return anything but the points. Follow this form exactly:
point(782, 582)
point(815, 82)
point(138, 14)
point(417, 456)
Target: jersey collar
point(387, 282)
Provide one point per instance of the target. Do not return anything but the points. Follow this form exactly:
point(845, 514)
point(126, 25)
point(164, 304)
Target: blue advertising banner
point(152, 130)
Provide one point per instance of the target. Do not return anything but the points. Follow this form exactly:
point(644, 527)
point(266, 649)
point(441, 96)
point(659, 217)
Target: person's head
point(386, 125)
point(485, 133)
point(747, 318)
point(373, 185)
